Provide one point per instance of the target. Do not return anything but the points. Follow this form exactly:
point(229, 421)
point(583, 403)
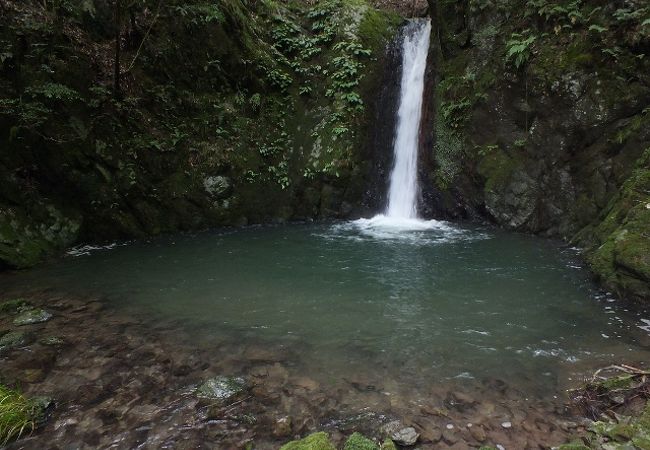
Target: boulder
point(221, 389)
point(401, 434)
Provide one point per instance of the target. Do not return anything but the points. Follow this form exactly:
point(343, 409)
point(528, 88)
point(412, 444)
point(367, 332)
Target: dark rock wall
point(558, 144)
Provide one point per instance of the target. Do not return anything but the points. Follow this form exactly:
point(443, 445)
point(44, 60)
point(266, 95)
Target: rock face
point(556, 143)
point(221, 389)
point(232, 136)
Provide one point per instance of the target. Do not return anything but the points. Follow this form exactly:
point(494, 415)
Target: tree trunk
point(117, 90)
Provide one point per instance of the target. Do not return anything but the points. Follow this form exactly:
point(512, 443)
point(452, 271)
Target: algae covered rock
point(52, 341)
point(13, 339)
point(12, 306)
point(221, 389)
point(388, 445)
point(32, 316)
point(316, 441)
point(357, 441)
point(401, 434)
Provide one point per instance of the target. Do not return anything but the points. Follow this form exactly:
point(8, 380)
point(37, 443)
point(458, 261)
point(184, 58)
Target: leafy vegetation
point(18, 415)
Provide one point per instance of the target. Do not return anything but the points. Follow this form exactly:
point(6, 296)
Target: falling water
point(402, 196)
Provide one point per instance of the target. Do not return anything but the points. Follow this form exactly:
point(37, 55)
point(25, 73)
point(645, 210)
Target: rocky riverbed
point(118, 381)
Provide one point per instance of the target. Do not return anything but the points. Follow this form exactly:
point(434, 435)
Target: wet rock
point(221, 389)
point(282, 427)
point(33, 376)
point(217, 186)
point(32, 316)
point(400, 434)
point(52, 341)
point(478, 433)
point(506, 424)
point(316, 441)
point(257, 355)
point(450, 436)
point(388, 445)
point(13, 339)
point(12, 306)
point(357, 441)
point(306, 383)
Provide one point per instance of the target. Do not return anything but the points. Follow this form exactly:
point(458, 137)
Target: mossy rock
point(316, 441)
point(13, 339)
point(32, 316)
point(221, 389)
point(12, 306)
point(357, 441)
point(388, 445)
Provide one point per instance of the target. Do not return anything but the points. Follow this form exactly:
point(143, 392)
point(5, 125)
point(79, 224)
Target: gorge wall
point(231, 112)
point(542, 125)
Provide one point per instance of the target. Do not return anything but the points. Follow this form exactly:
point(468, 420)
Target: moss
point(376, 28)
point(497, 168)
point(622, 382)
point(575, 445)
point(388, 444)
point(620, 252)
point(316, 441)
point(12, 306)
point(357, 441)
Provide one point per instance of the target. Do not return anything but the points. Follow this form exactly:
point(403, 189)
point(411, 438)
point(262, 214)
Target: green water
point(440, 303)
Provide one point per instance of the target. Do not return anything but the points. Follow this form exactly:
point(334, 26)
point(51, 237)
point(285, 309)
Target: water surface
point(435, 303)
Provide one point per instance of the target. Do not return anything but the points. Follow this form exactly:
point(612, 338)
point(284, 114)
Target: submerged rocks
point(282, 427)
point(316, 441)
point(221, 389)
point(400, 434)
point(12, 306)
point(13, 339)
point(32, 316)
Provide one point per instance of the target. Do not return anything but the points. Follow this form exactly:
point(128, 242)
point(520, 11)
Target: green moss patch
point(316, 441)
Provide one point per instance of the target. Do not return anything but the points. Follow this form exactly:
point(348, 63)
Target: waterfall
point(401, 212)
point(403, 192)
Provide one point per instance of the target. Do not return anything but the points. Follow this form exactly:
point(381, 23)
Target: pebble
point(506, 424)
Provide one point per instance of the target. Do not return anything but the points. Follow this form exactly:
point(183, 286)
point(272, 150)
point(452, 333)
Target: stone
point(316, 441)
point(400, 434)
point(478, 433)
point(52, 341)
point(33, 375)
point(282, 427)
point(506, 424)
point(388, 445)
point(12, 306)
point(221, 389)
point(13, 339)
point(217, 186)
point(32, 316)
point(357, 441)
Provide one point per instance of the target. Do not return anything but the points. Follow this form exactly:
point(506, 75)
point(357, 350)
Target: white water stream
point(403, 192)
point(401, 212)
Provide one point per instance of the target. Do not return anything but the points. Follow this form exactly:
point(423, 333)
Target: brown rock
point(282, 427)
